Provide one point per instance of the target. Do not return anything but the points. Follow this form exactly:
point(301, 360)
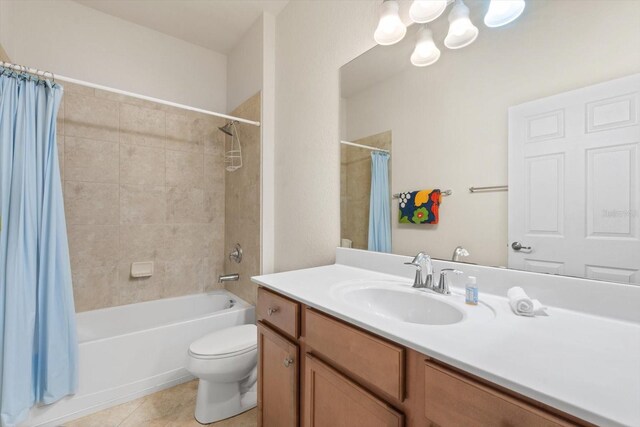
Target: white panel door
point(574, 183)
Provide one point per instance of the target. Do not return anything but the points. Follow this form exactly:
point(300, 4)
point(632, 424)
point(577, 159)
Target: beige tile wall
point(3, 55)
point(355, 188)
point(142, 182)
point(243, 204)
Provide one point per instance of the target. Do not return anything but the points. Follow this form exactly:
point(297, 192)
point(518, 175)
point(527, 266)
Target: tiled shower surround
point(242, 195)
point(142, 182)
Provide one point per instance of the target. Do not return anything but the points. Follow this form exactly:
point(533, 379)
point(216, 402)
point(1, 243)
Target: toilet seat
point(221, 356)
point(225, 343)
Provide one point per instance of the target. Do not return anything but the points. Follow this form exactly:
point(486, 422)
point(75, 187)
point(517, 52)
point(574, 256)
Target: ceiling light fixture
point(390, 28)
point(426, 52)
point(423, 11)
point(461, 31)
point(501, 12)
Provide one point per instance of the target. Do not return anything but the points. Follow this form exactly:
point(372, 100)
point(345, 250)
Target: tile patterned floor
point(172, 407)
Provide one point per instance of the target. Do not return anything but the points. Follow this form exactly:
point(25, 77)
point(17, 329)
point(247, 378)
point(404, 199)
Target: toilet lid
point(237, 339)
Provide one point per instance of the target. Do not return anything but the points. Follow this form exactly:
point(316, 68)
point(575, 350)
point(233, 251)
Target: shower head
point(228, 128)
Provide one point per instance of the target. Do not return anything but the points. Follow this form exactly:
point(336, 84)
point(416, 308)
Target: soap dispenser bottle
point(471, 291)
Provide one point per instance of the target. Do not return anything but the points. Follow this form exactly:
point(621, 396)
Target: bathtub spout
point(228, 278)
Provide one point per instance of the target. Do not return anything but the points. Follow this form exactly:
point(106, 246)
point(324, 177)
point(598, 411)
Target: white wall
point(3, 7)
point(449, 121)
point(3, 15)
point(244, 66)
point(75, 41)
point(313, 39)
point(268, 142)
point(250, 69)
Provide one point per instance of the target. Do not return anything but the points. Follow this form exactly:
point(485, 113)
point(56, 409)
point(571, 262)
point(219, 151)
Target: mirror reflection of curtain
point(379, 207)
point(38, 346)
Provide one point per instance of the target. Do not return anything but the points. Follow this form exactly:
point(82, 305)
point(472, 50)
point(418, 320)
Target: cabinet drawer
point(332, 400)
point(279, 312)
point(372, 360)
point(454, 400)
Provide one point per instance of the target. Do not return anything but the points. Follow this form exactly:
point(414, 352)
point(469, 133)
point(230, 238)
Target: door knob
point(288, 362)
point(517, 246)
point(272, 311)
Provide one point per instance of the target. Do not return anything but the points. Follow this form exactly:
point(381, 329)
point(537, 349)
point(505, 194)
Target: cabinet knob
point(288, 362)
point(272, 311)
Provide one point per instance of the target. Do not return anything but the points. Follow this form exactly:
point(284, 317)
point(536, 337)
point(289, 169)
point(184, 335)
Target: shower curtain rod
point(54, 77)
point(353, 144)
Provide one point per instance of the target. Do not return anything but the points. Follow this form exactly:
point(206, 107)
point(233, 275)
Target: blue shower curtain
point(38, 346)
point(379, 204)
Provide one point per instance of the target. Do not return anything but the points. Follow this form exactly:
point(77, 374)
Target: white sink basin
point(405, 306)
point(400, 302)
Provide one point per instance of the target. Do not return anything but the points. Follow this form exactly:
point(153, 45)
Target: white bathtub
point(137, 349)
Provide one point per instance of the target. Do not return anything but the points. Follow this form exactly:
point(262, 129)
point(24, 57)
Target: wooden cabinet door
point(332, 400)
point(277, 379)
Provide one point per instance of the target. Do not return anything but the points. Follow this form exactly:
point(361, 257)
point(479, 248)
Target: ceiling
point(217, 25)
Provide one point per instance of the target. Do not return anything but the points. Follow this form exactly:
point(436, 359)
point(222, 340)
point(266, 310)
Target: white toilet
point(225, 361)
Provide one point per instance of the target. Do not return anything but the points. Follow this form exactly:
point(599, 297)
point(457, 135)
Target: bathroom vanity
point(346, 346)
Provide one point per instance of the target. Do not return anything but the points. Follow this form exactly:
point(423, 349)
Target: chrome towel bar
point(444, 193)
point(490, 188)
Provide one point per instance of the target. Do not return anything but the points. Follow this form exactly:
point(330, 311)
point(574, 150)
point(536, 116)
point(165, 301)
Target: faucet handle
point(417, 282)
point(424, 273)
point(443, 285)
point(419, 258)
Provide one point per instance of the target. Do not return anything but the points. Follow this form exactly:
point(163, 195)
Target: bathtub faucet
point(228, 278)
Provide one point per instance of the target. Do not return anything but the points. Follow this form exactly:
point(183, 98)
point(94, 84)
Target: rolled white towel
point(522, 305)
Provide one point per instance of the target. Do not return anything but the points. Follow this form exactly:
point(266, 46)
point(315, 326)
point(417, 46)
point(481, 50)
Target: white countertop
point(585, 365)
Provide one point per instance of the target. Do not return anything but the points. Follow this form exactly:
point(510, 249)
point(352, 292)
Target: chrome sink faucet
point(458, 253)
point(443, 284)
point(424, 271)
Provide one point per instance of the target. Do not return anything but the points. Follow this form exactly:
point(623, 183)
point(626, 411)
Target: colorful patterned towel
point(420, 207)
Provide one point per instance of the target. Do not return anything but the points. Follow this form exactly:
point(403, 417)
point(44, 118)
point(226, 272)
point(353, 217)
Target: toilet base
point(217, 401)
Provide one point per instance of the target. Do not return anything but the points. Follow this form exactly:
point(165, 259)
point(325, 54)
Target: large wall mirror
point(531, 134)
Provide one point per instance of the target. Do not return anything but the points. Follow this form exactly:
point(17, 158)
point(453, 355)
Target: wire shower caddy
point(233, 150)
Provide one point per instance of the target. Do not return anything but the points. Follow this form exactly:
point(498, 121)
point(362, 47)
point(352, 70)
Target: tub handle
point(288, 362)
point(272, 311)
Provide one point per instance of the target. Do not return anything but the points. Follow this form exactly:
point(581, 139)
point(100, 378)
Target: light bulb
point(390, 28)
point(460, 26)
point(422, 11)
point(462, 32)
point(388, 24)
point(426, 52)
point(501, 12)
point(423, 49)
